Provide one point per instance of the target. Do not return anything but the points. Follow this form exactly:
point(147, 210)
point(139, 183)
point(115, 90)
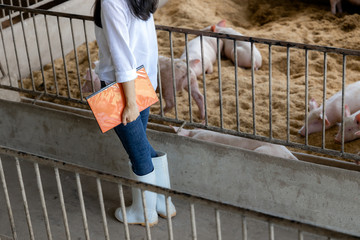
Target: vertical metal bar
point(5, 55)
point(8, 203)
point(26, 207)
point(88, 51)
point(27, 51)
point(288, 94)
point(148, 234)
point(42, 199)
point(300, 235)
point(220, 83)
point(123, 210)
point(15, 49)
point(236, 89)
point(76, 58)
point(324, 101)
point(253, 88)
point(39, 52)
point(306, 97)
point(188, 76)
point(170, 228)
point(343, 102)
point(2, 10)
point(193, 221)
point(62, 202)
point(51, 55)
point(271, 231)
point(204, 79)
point(102, 207)
point(218, 224)
point(160, 90)
point(64, 59)
point(82, 205)
point(173, 74)
point(270, 92)
point(244, 228)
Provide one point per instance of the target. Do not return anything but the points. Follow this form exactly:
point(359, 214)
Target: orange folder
point(108, 103)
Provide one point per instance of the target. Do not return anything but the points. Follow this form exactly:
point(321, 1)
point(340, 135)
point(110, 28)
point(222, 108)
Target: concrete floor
point(205, 216)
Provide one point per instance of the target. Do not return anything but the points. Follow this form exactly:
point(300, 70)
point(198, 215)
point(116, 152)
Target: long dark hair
point(139, 8)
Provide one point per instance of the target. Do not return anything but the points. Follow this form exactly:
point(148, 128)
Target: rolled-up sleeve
point(114, 22)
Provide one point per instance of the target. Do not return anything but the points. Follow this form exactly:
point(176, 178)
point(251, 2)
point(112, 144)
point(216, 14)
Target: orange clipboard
point(108, 103)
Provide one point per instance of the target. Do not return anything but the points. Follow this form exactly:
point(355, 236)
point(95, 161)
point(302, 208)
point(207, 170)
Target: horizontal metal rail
point(246, 213)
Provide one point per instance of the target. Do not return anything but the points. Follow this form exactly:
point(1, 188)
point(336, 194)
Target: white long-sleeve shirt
point(125, 42)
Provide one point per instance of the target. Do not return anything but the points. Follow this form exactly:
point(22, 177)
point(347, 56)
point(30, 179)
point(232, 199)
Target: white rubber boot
point(163, 180)
point(135, 213)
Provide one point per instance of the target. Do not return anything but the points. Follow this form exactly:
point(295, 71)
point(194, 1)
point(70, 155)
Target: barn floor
point(205, 220)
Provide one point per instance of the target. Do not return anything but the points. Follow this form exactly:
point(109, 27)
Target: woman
point(126, 36)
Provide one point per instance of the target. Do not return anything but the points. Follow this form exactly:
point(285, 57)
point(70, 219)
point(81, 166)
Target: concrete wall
point(318, 194)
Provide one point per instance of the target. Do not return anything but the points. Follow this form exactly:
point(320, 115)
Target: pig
point(337, 4)
point(243, 49)
point(87, 86)
point(245, 143)
point(333, 109)
point(351, 126)
point(180, 68)
point(209, 48)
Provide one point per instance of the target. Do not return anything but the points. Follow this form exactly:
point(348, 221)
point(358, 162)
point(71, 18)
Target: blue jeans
point(133, 138)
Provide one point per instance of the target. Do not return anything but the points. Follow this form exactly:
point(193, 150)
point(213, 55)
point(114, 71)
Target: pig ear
point(327, 123)
point(213, 28)
point(357, 118)
point(357, 133)
point(222, 23)
point(347, 111)
point(313, 104)
point(194, 62)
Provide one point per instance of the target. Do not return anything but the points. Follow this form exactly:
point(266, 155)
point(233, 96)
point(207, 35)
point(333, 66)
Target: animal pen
point(44, 56)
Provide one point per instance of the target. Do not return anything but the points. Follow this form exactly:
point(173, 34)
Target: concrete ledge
point(317, 194)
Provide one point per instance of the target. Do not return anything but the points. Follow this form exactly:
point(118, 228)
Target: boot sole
point(164, 216)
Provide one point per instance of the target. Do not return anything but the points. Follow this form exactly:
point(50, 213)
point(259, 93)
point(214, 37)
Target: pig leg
point(335, 4)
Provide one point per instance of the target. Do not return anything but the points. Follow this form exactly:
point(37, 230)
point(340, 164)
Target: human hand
point(130, 113)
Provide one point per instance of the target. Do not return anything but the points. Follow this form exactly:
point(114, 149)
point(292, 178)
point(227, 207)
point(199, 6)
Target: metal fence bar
point(220, 83)
point(123, 211)
point(147, 224)
point(63, 57)
point(270, 92)
point(23, 194)
point(287, 94)
point(42, 199)
point(8, 203)
point(236, 89)
point(193, 221)
point(188, 76)
point(173, 76)
point(27, 50)
point(51, 55)
point(306, 97)
point(204, 79)
point(253, 88)
point(77, 60)
point(244, 228)
point(15, 48)
point(168, 218)
point(88, 54)
point(62, 203)
point(324, 100)
point(271, 231)
point(102, 208)
point(82, 205)
point(343, 103)
point(39, 53)
point(218, 224)
point(5, 55)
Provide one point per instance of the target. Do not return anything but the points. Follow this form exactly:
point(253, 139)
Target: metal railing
point(25, 63)
point(56, 171)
